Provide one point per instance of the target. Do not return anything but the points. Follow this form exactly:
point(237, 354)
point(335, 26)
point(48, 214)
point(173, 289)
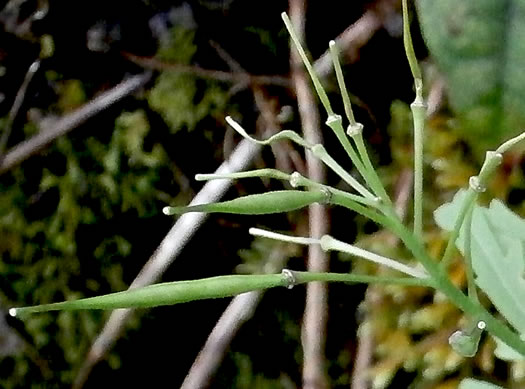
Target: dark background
point(66, 234)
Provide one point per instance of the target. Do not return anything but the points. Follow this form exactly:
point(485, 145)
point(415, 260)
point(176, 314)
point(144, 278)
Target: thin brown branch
point(217, 75)
point(239, 311)
point(435, 96)
point(351, 40)
point(365, 343)
point(315, 315)
point(243, 306)
point(170, 247)
point(175, 240)
point(226, 57)
point(286, 157)
point(13, 112)
point(364, 353)
point(51, 131)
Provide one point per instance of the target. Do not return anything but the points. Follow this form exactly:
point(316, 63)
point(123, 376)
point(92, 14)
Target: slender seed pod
point(167, 293)
point(258, 204)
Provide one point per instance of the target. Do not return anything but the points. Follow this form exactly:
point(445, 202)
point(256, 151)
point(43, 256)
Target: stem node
point(288, 278)
point(333, 120)
point(354, 130)
point(476, 185)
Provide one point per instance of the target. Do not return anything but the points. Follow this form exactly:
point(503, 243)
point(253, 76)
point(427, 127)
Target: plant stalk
point(419, 109)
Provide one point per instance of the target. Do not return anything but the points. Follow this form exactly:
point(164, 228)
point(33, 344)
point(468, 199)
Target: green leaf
point(478, 46)
point(506, 353)
point(470, 383)
point(497, 254)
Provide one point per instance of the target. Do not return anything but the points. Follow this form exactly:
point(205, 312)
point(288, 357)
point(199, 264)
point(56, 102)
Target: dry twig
point(51, 131)
point(13, 112)
point(212, 74)
point(316, 310)
point(239, 311)
point(165, 254)
point(243, 306)
point(365, 344)
point(357, 35)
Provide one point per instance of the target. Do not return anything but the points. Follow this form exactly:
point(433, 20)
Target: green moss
point(176, 96)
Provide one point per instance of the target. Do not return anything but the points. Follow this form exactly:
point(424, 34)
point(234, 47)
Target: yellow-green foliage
point(410, 326)
point(174, 94)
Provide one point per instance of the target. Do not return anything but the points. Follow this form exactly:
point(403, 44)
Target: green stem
point(437, 274)
point(477, 184)
point(492, 160)
point(258, 173)
point(298, 180)
point(315, 80)
point(418, 112)
point(470, 199)
point(302, 277)
point(335, 122)
point(355, 130)
point(374, 181)
point(471, 284)
point(494, 326)
point(409, 47)
point(320, 152)
point(337, 198)
point(342, 85)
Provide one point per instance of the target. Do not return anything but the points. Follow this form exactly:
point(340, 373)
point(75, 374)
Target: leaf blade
point(497, 256)
point(470, 383)
point(477, 44)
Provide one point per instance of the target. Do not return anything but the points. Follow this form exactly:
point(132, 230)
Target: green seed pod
point(167, 293)
point(258, 204)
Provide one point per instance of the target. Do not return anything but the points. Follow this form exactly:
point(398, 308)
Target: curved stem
point(437, 273)
point(494, 326)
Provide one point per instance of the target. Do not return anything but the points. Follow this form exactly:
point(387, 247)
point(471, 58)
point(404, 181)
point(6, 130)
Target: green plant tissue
point(497, 249)
point(470, 383)
point(479, 47)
